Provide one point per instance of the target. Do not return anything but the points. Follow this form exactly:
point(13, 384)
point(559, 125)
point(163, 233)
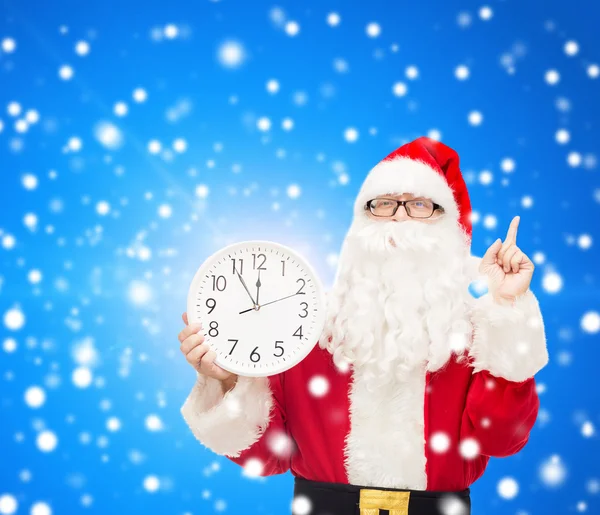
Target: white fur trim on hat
point(508, 341)
point(406, 175)
point(228, 424)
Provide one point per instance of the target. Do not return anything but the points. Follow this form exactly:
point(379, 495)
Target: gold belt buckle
point(371, 501)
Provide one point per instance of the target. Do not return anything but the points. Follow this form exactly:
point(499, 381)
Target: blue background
point(114, 280)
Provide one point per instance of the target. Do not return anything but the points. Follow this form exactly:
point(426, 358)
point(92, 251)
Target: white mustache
point(389, 237)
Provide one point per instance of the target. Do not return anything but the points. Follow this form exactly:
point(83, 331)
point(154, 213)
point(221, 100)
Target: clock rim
point(318, 283)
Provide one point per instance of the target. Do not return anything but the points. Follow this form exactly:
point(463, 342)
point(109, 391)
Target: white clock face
point(261, 305)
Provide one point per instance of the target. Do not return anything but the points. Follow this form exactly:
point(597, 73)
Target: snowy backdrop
point(137, 138)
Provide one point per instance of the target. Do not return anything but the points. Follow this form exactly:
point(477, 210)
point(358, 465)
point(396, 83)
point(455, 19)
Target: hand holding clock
point(201, 357)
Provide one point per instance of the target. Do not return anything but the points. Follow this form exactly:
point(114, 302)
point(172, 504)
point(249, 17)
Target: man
point(418, 382)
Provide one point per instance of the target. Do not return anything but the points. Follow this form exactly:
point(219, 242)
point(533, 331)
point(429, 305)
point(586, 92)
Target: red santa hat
point(423, 167)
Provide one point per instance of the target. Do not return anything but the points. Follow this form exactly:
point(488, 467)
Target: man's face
point(384, 209)
point(400, 287)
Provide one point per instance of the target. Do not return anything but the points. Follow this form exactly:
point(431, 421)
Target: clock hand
point(283, 298)
point(267, 303)
point(246, 287)
point(258, 285)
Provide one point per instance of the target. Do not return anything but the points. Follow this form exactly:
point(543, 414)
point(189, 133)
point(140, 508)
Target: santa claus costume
point(414, 383)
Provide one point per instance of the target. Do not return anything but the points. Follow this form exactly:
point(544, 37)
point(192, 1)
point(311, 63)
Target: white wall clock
point(261, 305)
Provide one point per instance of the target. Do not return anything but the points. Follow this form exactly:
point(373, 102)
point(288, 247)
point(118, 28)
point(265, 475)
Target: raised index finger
point(511, 235)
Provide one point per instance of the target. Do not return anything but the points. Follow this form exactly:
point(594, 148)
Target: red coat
point(435, 431)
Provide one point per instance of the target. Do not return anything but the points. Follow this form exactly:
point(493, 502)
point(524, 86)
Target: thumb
point(219, 372)
point(489, 258)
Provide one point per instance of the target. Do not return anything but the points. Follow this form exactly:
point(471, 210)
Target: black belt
point(342, 499)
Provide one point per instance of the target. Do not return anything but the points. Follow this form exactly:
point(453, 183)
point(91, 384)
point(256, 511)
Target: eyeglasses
point(419, 208)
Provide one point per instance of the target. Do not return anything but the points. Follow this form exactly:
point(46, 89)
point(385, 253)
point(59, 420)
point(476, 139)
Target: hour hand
point(245, 287)
point(258, 285)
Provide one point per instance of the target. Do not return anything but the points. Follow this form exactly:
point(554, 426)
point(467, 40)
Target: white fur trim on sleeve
point(508, 341)
point(228, 424)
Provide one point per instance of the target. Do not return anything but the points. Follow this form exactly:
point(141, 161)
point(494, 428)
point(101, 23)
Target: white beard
point(395, 308)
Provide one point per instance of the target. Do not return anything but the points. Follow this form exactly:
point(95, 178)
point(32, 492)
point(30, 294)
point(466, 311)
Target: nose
point(401, 214)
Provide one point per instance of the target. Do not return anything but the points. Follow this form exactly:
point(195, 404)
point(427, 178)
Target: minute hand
point(246, 288)
point(267, 303)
